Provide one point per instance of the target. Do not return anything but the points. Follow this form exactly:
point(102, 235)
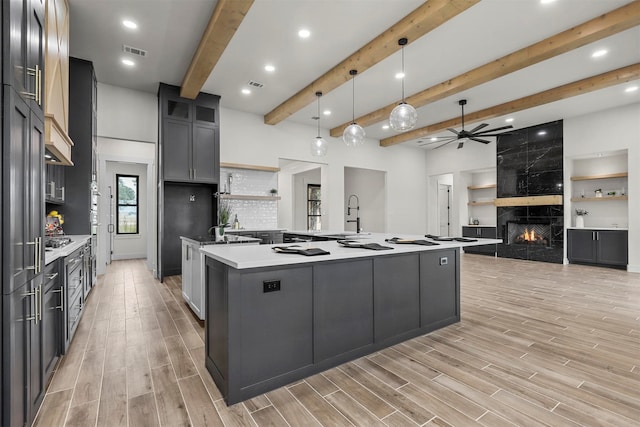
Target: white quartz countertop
point(598, 228)
point(77, 241)
point(243, 257)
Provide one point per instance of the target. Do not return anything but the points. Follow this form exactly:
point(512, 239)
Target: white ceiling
point(169, 30)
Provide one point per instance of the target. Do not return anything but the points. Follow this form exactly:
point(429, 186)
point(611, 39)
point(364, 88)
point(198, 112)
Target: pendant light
point(318, 146)
point(353, 134)
point(404, 116)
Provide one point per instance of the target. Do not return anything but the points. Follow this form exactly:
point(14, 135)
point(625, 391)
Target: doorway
point(128, 203)
point(444, 209)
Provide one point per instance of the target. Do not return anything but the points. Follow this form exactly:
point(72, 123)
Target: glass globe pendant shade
point(318, 146)
point(353, 135)
point(403, 117)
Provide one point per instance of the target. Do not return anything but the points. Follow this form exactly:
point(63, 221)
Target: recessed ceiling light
point(542, 132)
point(130, 24)
point(269, 68)
point(128, 62)
point(303, 34)
point(433, 139)
point(327, 112)
point(599, 53)
point(246, 91)
point(509, 120)
point(399, 75)
point(546, 1)
point(385, 127)
point(631, 89)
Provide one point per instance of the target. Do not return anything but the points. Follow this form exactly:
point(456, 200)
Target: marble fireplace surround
point(529, 190)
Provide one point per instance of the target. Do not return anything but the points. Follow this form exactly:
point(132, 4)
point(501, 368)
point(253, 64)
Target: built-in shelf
point(598, 199)
point(480, 187)
point(486, 203)
point(249, 167)
point(247, 197)
point(604, 176)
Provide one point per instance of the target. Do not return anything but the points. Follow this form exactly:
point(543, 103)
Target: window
point(127, 205)
point(313, 207)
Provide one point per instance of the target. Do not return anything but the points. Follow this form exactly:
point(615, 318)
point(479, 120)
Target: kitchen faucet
point(357, 208)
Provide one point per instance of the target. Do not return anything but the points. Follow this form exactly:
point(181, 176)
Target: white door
point(444, 209)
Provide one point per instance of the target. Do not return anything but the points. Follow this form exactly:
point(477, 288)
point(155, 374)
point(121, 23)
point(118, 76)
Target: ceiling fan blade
point(453, 130)
point(439, 146)
point(496, 129)
point(493, 134)
point(439, 140)
point(484, 141)
point(460, 144)
point(477, 128)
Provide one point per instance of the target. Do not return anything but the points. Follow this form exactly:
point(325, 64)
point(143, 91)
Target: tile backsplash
point(252, 214)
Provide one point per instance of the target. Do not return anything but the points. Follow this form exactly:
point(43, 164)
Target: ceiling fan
point(475, 134)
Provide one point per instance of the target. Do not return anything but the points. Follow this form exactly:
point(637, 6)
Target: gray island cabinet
point(273, 318)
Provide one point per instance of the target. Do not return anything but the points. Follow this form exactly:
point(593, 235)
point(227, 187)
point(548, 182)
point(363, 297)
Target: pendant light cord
point(353, 98)
point(318, 94)
point(402, 49)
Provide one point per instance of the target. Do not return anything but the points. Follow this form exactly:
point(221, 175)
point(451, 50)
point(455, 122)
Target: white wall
point(127, 114)
point(370, 187)
point(244, 138)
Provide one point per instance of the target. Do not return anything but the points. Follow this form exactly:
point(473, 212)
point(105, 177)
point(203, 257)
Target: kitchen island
point(275, 318)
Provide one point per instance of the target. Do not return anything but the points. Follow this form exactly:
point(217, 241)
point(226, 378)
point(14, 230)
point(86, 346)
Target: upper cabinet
point(56, 83)
point(189, 137)
point(23, 50)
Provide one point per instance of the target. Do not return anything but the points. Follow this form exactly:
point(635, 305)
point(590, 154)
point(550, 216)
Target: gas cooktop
point(56, 242)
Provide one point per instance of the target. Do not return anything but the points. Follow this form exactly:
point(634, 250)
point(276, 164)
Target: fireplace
point(519, 233)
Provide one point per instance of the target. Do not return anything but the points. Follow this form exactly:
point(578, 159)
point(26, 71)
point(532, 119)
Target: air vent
point(134, 50)
point(254, 84)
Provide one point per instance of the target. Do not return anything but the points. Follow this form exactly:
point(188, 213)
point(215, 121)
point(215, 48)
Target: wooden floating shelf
point(598, 199)
point(248, 197)
point(480, 187)
point(604, 176)
point(249, 167)
point(490, 202)
point(529, 201)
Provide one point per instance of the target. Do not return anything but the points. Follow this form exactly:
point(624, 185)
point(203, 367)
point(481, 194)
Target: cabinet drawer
point(74, 313)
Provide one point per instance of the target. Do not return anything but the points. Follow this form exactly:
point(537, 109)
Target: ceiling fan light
point(403, 117)
point(319, 146)
point(353, 135)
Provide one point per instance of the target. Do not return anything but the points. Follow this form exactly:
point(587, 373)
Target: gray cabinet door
point(51, 318)
point(176, 150)
point(342, 307)
point(612, 247)
point(15, 331)
point(396, 289)
point(206, 167)
point(438, 289)
point(278, 322)
point(581, 246)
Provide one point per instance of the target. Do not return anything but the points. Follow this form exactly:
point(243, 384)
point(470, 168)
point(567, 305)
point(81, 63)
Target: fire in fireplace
point(529, 234)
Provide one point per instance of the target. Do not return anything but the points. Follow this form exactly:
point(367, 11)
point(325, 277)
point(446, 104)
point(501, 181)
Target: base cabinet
point(192, 274)
point(598, 247)
point(267, 327)
point(480, 233)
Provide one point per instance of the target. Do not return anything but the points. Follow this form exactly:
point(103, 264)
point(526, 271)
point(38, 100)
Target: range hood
point(57, 143)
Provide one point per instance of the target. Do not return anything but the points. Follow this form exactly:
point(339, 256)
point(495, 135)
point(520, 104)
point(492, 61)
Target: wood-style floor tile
point(538, 345)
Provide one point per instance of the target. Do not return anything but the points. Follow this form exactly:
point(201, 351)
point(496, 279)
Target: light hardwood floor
point(538, 344)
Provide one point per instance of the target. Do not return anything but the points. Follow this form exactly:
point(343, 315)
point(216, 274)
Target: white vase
point(579, 221)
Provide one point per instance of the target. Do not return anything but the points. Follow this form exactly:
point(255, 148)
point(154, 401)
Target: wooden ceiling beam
point(423, 19)
point(580, 87)
point(610, 23)
point(225, 20)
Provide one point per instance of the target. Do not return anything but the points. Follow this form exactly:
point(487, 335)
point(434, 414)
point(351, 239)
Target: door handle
point(61, 292)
